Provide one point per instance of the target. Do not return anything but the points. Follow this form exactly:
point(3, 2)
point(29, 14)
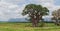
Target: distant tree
point(35, 13)
point(56, 16)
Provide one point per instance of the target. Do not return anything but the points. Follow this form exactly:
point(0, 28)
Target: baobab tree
point(35, 13)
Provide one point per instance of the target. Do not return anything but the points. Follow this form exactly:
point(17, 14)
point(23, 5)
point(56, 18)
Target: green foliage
point(33, 7)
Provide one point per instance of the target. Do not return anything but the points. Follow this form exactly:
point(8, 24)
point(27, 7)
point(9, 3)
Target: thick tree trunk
point(34, 23)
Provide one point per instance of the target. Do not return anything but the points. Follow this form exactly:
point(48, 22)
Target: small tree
point(35, 13)
point(56, 16)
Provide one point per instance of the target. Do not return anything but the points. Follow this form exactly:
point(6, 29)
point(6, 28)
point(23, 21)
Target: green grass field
point(26, 27)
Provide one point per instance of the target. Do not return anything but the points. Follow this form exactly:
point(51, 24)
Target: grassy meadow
point(27, 27)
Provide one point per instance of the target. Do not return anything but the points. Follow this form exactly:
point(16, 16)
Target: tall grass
point(27, 27)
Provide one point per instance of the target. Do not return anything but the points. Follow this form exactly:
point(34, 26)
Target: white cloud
point(9, 10)
point(14, 1)
point(50, 4)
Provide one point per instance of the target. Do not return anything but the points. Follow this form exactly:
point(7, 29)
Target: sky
point(13, 8)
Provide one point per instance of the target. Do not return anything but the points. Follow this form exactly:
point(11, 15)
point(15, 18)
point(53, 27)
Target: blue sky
point(13, 8)
point(57, 2)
